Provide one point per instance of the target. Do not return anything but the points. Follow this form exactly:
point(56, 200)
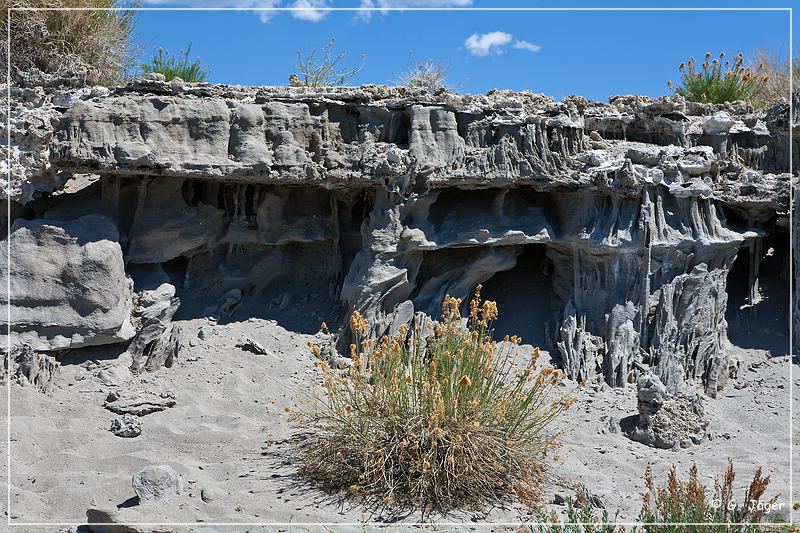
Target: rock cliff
point(622, 236)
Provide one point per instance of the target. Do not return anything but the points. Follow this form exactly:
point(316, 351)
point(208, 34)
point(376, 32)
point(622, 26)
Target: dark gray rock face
point(617, 224)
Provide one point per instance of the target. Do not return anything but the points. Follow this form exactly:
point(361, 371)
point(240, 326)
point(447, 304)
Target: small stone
point(249, 345)
point(157, 483)
point(157, 76)
point(559, 499)
point(205, 332)
point(126, 426)
point(141, 402)
point(596, 502)
point(114, 375)
point(207, 495)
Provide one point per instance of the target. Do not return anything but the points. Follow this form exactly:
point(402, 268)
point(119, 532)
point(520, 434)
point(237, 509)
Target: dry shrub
point(779, 71)
point(428, 75)
point(437, 424)
point(324, 70)
point(679, 503)
point(99, 41)
point(719, 80)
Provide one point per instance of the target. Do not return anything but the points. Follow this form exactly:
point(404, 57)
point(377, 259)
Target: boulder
point(159, 482)
point(666, 421)
point(68, 284)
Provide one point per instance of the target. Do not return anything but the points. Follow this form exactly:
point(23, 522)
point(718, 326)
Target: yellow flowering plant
point(442, 422)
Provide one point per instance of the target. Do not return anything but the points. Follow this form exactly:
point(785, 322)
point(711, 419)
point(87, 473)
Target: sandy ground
point(228, 434)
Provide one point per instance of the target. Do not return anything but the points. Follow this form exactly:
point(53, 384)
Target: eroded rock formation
point(616, 224)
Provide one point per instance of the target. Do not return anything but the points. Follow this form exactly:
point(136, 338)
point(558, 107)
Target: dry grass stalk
point(779, 71)
point(678, 503)
point(325, 70)
point(428, 75)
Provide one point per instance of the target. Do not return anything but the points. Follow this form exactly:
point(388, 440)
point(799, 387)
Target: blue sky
point(596, 54)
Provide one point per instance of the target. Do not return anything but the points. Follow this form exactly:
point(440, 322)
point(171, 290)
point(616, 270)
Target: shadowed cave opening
point(758, 319)
point(524, 296)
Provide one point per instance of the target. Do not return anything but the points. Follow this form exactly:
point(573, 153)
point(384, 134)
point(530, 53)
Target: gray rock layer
point(629, 215)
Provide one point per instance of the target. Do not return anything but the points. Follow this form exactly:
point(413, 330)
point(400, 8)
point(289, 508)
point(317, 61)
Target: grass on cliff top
point(720, 80)
point(429, 75)
point(324, 67)
point(454, 424)
point(176, 66)
point(99, 41)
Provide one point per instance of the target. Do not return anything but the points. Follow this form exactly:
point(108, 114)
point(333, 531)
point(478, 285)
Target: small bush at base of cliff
point(681, 506)
point(446, 423)
point(718, 80)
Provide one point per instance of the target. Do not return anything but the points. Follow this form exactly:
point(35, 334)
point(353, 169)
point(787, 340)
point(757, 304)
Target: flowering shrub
point(718, 80)
point(444, 422)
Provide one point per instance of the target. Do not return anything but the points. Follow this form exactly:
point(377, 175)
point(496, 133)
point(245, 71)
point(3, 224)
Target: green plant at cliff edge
point(176, 66)
point(718, 80)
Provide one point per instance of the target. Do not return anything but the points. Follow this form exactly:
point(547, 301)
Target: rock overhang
point(393, 197)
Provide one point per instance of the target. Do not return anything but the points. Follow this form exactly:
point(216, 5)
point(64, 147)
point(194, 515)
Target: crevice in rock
point(758, 308)
point(525, 298)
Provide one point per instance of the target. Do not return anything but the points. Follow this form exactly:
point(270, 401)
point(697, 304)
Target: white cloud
point(263, 15)
point(484, 44)
point(525, 45)
point(366, 5)
point(495, 42)
point(313, 11)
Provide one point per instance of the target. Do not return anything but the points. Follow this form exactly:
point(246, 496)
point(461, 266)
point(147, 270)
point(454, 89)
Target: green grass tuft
point(718, 80)
point(176, 66)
